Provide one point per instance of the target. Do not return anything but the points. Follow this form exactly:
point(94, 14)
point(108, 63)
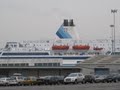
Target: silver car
point(74, 78)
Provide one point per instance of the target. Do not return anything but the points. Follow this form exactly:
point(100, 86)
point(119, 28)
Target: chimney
point(71, 23)
point(65, 23)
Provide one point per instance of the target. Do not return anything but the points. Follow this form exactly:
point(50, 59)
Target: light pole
point(114, 11)
point(112, 39)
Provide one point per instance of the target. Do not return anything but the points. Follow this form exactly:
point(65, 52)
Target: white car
point(74, 78)
point(12, 81)
point(19, 79)
point(8, 81)
point(4, 81)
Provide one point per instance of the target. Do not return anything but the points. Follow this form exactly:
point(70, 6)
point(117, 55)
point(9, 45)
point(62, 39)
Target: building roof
point(102, 59)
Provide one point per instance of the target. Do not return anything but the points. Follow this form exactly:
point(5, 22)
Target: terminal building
point(101, 65)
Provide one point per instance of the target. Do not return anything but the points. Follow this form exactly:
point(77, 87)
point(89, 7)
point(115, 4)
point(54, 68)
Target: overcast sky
point(40, 19)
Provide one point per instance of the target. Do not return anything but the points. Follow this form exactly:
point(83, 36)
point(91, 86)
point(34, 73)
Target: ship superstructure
point(68, 50)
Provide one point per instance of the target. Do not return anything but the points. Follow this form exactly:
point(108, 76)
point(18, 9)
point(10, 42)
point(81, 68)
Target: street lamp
point(114, 11)
point(112, 39)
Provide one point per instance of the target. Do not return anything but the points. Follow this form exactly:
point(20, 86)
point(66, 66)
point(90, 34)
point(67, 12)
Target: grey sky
point(40, 19)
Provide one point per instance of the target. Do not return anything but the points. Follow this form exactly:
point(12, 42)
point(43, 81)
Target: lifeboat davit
point(81, 47)
point(60, 47)
point(97, 48)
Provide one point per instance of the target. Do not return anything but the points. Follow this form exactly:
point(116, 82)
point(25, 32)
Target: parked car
point(51, 80)
point(4, 81)
point(19, 79)
point(8, 81)
point(29, 81)
point(89, 79)
point(100, 78)
point(12, 81)
point(74, 78)
point(60, 79)
point(41, 81)
point(112, 78)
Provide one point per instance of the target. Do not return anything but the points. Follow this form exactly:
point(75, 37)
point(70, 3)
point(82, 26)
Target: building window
point(47, 64)
point(23, 64)
point(4, 65)
point(17, 65)
point(10, 65)
point(50, 64)
point(44, 64)
point(55, 64)
point(58, 64)
point(38, 64)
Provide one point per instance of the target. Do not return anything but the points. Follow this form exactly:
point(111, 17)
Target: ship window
point(7, 46)
point(78, 61)
point(55, 53)
point(75, 57)
point(45, 53)
point(15, 45)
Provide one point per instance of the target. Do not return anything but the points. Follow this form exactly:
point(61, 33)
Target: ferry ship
point(68, 49)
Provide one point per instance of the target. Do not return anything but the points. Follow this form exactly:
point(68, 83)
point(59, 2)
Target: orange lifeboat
point(60, 47)
point(97, 48)
point(81, 47)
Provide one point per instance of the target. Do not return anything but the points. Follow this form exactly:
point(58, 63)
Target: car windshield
point(72, 75)
point(97, 76)
point(10, 79)
point(27, 78)
point(48, 77)
point(101, 76)
point(13, 77)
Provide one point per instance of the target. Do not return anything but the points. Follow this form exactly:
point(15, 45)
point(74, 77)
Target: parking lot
point(73, 81)
point(95, 86)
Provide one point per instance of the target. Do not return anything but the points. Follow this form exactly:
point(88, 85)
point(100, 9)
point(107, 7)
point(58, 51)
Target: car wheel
point(116, 80)
point(83, 81)
point(6, 84)
point(76, 82)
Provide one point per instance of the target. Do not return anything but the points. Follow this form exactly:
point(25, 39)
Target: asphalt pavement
point(95, 86)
